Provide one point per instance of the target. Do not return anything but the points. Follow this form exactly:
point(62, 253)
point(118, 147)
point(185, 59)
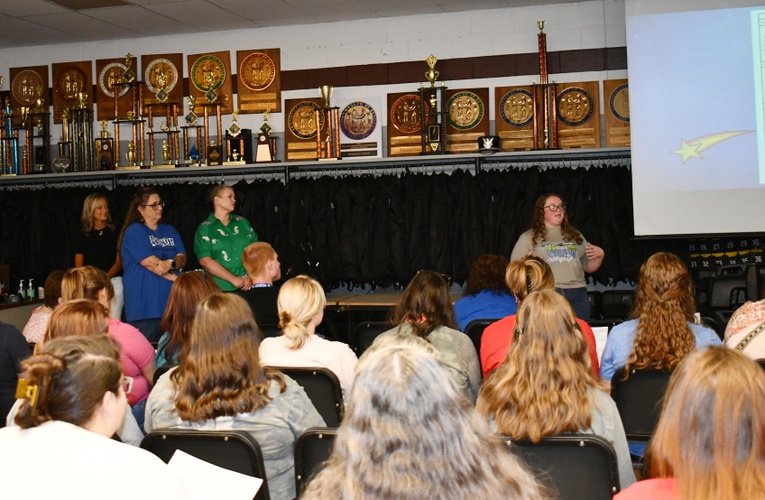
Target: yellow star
point(688, 150)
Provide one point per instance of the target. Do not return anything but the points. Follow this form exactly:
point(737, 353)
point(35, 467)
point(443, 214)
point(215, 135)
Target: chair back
point(323, 389)
point(365, 333)
point(574, 466)
point(312, 449)
point(639, 400)
point(161, 371)
point(474, 330)
point(233, 450)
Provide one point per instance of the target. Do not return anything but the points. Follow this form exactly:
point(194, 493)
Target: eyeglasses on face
point(156, 206)
point(556, 208)
point(127, 384)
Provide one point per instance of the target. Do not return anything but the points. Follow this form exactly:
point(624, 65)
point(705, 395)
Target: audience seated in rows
point(409, 432)
point(709, 443)
point(425, 309)
point(34, 330)
point(523, 277)
point(221, 385)
point(61, 448)
point(486, 295)
point(546, 386)
point(745, 329)
point(188, 290)
point(301, 308)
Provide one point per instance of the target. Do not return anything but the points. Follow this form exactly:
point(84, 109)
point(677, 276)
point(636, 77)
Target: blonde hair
point(543, 389)
point(88, 207)
point(528, 275)
point(300, 300)
point(85, 282)
point(711, 433)
point(410, 433)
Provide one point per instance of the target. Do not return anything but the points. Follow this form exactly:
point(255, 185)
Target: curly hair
point(543, 389)
point(711, 433)
point(425, 304)
point(528, 275)
point(188, 290)
point(538, 228)
point(88, 207)
point(222, 375)
point(409, 433)
point(663, 307)
point(487, 273)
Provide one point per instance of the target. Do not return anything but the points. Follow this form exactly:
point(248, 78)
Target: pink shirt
point(34, 330)
point(653, 489)
point(137, 353)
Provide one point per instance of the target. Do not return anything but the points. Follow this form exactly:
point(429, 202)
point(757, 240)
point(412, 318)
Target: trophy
point(210, 80)
point(130, 155)
point(24, 113)
point(161, 83)
point(328, 148)
point(104, 131)
point(128, 75)
point(165, 152)
point(82, 99)
point(264, 150)
point(431, 74)
point(547, 124)
point(9, 143)
point(65, 125)
point(234, 130)
point(191, 117)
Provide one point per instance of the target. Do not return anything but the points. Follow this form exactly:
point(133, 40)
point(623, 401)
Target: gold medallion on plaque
point(257, 71)
point(111, 75)
point(620, 103)
point(517, 108)
point(358, 120)
point(302, 120)
point(405, 113)
point(465, 110)
point(27, 87)
point(575, 106)
point(208, 73)
point(161, 74)
point(71, 81)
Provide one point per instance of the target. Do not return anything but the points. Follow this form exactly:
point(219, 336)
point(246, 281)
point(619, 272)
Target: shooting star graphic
point(693, 148)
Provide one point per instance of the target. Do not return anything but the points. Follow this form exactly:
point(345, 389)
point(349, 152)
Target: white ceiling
point(42, 22)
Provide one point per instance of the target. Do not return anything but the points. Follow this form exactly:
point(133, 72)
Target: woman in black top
point(97, 246)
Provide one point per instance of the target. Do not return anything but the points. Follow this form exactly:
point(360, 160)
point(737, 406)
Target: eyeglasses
point(556, 208)
point(156, 206)
point(127, 384)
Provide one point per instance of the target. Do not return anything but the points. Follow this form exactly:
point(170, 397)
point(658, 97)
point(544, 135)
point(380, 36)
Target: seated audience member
point(524, 276)
point(74, 402)
point(263, 268)
point(662, 330)
point(83, 317)
point(13, 350)
point(425, 310)
point(301, 308)
point(137, 353)
point(486, 294)
point(546, 386)
point(745, 329)
point(709, 443)
point(34, 330)
point(409, 432)
point(222, 385)
point(188, 290)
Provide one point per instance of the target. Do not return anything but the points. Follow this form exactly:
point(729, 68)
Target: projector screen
point(697, 116)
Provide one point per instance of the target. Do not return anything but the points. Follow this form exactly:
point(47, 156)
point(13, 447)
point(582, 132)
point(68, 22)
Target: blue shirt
point(146, 293)
point(622, 337)
point(486, 304)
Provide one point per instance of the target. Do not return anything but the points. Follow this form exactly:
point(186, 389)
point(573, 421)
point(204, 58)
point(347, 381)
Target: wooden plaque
point(68, 79)
point(578, 115)
point(259, 83)
point(214, 67)
point(514, 117)
point(27, 85)
point(162, 72)
point(300, 128)
point(467, 118)
point(108, 74)
point(617, 112)
point(404, 125)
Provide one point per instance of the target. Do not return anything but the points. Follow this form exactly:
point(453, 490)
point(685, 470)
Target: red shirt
point(498, 336)
point(653, 489)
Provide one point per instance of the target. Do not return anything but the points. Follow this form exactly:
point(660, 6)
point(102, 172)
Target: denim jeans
point(579, 300)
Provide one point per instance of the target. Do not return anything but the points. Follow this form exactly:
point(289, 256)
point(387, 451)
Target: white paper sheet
point(601, 334)
point(204, 480)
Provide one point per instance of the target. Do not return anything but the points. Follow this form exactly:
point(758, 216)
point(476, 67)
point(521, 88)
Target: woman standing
point(74, 402)
point(555, 240)
point(546, 387)
point(222, 384)
point(151, 254)
point(425, 309)
point(97, 246)
point(710, 440)
point(221, 239)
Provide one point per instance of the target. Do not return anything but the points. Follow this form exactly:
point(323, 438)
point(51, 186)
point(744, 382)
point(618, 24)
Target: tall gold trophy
point(328, 145)
point(546, 118)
